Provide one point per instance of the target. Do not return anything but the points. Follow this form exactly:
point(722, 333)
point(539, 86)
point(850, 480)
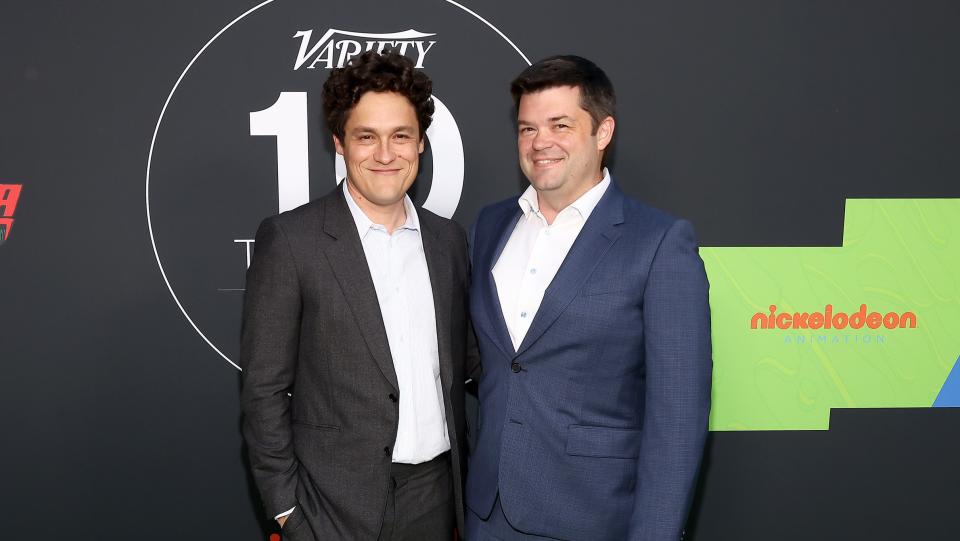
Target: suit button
point(515, 366)
point(392, 397)
point(386, 450)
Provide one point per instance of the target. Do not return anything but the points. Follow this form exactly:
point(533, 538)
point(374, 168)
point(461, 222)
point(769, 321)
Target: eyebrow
point(565, 118)
point(368, 129)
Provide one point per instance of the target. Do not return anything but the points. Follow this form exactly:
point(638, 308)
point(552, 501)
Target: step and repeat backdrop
point(814, 145)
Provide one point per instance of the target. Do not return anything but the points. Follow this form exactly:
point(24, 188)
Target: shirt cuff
point(285, 513)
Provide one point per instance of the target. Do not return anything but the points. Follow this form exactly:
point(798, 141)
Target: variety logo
point(330, 52)
point(9, 196)
point(829, 319)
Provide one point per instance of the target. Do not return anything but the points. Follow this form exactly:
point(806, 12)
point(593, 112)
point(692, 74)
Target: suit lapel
point(596, 237)
point(438, 268)
point(352, 272)
point(495, 322)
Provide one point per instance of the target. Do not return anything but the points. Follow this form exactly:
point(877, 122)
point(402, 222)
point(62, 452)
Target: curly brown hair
point(375, 72)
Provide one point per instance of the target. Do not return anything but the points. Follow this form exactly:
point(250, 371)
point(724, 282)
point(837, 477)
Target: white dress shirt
point(534, 253)
point(399, 270)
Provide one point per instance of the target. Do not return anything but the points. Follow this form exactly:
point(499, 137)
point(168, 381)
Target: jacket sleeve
point(269, 349)
point(679, 372)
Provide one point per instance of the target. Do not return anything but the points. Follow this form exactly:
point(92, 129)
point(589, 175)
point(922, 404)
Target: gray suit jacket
point(312, 327)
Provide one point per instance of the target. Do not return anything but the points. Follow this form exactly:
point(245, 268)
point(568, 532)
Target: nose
point(384, 153)
point(542, 140)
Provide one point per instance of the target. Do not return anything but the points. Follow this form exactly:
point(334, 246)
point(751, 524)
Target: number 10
point(287, 120)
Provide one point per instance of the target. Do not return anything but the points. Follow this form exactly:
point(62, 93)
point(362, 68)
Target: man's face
point(559, 154)
point(381, 147)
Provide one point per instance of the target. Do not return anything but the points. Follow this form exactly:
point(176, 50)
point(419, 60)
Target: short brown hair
point(375, 72)
point(596, 91)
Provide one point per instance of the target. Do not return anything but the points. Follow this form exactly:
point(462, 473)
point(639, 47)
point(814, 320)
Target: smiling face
point(381, 148)
point(559, 152)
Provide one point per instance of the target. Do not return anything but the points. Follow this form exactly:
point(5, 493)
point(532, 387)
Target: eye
point(526, 130)
point(561, 126)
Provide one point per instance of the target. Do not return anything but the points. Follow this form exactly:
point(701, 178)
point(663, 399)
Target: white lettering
point(348, 49)
point(323, 51)
point(247, 242)
point(421, 52)
point(325, 56)
point(304, 54)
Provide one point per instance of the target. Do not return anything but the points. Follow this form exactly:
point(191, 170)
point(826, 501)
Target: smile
point(547, 162)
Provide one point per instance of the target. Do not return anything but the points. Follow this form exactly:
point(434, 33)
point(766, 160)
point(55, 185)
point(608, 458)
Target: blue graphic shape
point(949, 396)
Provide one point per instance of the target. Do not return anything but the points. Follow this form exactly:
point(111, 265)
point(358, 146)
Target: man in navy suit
point(593, 323)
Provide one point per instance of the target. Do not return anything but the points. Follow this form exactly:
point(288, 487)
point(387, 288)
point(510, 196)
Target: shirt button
point(533, 271)
point(523, 314)
point(515, 366)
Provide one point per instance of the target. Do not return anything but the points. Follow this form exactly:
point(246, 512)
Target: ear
point(605, 133)
point(423, 139)
point(338, 145)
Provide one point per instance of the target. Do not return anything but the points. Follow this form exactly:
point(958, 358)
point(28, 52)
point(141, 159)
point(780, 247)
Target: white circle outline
point(156, 130)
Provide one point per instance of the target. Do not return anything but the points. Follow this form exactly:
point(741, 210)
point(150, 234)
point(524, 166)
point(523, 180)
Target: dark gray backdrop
point(753, 119)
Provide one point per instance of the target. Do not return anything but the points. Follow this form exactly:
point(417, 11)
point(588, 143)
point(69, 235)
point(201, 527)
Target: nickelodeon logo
point(828, 319)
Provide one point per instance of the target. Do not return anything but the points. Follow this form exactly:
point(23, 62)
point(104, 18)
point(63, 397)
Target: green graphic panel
point(898, 256)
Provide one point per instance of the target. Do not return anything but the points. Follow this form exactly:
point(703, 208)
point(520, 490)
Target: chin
point(384, 200)
point(546, 183)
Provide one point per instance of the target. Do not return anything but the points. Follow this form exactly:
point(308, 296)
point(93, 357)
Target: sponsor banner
point(9, 197)
point(870, 324)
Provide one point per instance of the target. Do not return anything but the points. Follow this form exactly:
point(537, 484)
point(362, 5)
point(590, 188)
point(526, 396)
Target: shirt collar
point(364, 223)
point(584, 204)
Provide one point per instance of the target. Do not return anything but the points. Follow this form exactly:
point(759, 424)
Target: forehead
point(382, 110)
point(551, 102)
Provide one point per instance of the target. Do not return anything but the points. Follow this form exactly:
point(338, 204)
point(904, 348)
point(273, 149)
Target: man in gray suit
point(354, 347)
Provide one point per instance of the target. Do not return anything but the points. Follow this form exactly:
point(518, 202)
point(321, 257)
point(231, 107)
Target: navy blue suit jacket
point(594, 428)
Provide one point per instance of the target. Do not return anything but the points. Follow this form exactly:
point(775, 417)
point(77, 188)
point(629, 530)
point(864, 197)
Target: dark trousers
point(420, 504)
